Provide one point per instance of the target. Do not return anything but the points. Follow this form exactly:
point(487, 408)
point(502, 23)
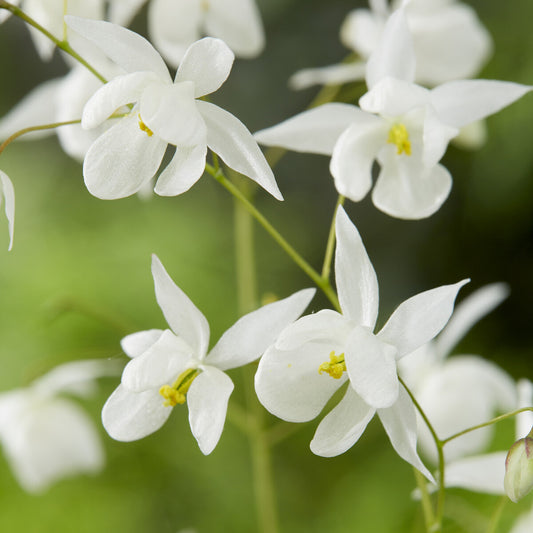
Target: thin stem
point(427, 507)
point(320, 282)
point(62, 44)
point(496, 515)
point(326, 267)
point(65, 10)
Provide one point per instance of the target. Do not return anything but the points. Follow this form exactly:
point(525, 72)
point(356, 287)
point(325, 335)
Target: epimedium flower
point(7, 194)
point(319, 353)
point(45, 435)
point(157, 112)
point(405, 127)
point(173, 366)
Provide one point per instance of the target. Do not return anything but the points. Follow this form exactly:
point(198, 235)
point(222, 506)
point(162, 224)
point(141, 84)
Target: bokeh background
point(79, 278)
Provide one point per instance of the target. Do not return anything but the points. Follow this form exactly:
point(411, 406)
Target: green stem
point(427, 507)
point(496, 515)
point(320, 282)
point(326, 267)
point(62, 44)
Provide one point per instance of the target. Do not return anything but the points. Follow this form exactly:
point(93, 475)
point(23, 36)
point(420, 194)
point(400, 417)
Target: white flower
point(162, 112)
point(462, 391)
point(319, 353)
point(406, 128)
point(173, 366)
point(47, 437)
point(524, 524)
point(7, 193)
point(449, 41)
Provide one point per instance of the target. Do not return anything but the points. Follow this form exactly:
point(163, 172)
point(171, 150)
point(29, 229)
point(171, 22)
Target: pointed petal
point(394, 55)
point(356, 280)
point(8, 193)
point(399, 422)
point(207, 63)
point(137, 343)
point(126, 48)
point(315, 131)
point(208, 402)
point(184, 318)
point(228, 137)
point(421, 317)
point(468, 313)
point(129, 416)
point(330, 75)
point(341, 428)
point(122, 160)
point(478, 473)
point(253, 333)
point(460, 102)
point(185, 169)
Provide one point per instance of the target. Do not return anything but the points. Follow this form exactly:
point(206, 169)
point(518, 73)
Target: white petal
point(207, 63)
point(126, 48)
point(330, 75)
point(122, 160)
point(170, 111)
point(371, 365)
point(208, 402)
point(406, 189)
point(228, 137)
point(315, 131)
point(123, 11)
point(8, 193)
point(399, 422)
point(436, 137)
point(185, 169)
point(184, 318)
point(253, 333)
point(354, 155)
point(479, 473)
point(137, 343)
point(421, 317)
point(129, 416)
point(524, 421)
point(341, 428)
point(112, 96)
point(395, 55)
point(362, 29)
point(468, 313)
point(356, 280)
point(460, 102)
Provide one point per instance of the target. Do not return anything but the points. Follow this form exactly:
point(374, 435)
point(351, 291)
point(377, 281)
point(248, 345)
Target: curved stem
point(330, 246)
point(427, 507)
point(496, 515)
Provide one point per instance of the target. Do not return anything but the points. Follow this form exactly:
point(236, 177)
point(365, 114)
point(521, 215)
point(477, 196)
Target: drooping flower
point(7, 194)
point(160, 112)
point(46, 436)
point(173, 366)
point(406, 128)
point(319, 353)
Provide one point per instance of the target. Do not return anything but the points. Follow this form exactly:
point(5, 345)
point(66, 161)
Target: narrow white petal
point(399, 422)
point(460, 102)
point(126, 48)
point(207, 400)
point(362, 29)
point(356, 280)
point(524, 421)
point(122, 160)
point(315, 131)
point(253, 333)
point(330, 75)
point(228, 137)
point(8, 193)
point(129, 416)
point(421, 317)
point(207, 63)
point(478, 473)
point(185, 169)
point(137, 343)
point(184, 318)
point(341, 428)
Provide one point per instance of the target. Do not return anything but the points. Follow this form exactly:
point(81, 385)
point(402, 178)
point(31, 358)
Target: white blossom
point(7, 194)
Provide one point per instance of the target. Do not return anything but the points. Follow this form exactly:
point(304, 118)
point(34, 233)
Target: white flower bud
point(518, 479)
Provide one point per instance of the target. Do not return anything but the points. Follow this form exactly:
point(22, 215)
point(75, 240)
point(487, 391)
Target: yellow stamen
point(335, 367)
point(205, 5)
point(399, 136)
point(144, 127)
point(176, 393)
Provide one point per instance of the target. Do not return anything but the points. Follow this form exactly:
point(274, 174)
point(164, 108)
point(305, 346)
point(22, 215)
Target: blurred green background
point(73, 251)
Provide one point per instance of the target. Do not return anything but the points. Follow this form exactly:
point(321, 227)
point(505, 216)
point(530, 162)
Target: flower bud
point(518, 479)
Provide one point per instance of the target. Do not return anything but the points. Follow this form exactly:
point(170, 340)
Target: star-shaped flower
point(319, 353)
point(157, 112)
point(173, 366)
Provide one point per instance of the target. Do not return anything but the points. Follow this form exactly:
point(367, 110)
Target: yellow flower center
point(144, 127)
point(335, 367)
point(176, 393)
point(399, 136)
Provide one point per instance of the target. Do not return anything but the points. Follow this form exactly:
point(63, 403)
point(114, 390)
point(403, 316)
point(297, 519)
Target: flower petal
point(330, 75)
point(356, 280)
point(478, 473)
point(126, 48)
point(137, 343)
point(122, 12)
point(228, 137)
point(315, 130)
point(418, 319)
point(129, 416)
point(253, 333)
point(208, 402)
point(362, 29)
point(184, 318)
point(122, 160)
point(8, 193)
point(341, 428)
point(207, 63)
point(524, 420)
